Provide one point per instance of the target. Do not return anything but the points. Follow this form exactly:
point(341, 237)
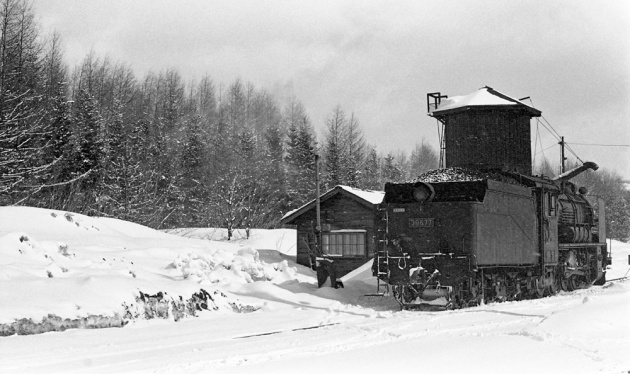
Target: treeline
point(161, 151)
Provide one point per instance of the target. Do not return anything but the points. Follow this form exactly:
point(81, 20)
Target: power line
point(536, 143)
point(603, 145)
point(554, 130)
point(556, 135)
point(549, 128)
point(553, 145)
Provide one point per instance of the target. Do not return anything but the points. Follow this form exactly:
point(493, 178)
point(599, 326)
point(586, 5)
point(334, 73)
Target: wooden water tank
point(486, 129)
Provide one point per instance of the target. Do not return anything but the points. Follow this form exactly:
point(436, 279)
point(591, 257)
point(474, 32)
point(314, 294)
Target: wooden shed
point(349, 219)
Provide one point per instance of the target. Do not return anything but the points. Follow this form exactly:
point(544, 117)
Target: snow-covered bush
point(244, 266)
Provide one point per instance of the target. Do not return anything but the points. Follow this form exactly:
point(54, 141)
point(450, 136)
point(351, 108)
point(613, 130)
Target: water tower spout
point(576, 171)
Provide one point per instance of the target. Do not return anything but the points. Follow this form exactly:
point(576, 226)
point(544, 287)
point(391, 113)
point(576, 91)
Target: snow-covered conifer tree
point(191, 176)
point(21, 112)
point(300, 156)
point(371, 173)
point(335, 148)
point(355, 152)
point(423, 158)
point(391, 171)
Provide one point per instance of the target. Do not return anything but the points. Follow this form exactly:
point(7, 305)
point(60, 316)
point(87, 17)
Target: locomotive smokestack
point(576, 171)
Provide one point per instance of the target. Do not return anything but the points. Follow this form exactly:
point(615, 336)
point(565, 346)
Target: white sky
point(378, 59)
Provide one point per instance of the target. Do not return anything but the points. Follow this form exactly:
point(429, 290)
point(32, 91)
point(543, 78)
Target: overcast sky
point(379, 59)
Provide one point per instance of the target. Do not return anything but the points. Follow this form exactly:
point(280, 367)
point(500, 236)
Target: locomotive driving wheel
point(404, 295)
point(538, 286)
point(575, 282)
point(551, 284)
point(398, 294)
point(553, 287)
point(476, 294)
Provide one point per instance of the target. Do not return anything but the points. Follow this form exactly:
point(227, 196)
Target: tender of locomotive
point(483, 228)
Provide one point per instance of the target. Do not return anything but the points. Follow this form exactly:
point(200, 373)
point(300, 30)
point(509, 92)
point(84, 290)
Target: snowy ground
point(74, 266)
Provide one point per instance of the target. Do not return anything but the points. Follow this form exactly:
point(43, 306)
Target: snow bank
point(281, 240)
point(62, 266)
point(619, 267)
point(244, 266)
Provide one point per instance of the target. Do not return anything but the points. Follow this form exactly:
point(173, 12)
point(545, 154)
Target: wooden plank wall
point(489, 139)
point(338, 213)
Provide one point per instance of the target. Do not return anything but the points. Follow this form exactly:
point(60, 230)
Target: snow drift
point(69, 270)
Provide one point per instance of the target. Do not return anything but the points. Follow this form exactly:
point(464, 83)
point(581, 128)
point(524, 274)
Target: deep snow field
point(266, 314)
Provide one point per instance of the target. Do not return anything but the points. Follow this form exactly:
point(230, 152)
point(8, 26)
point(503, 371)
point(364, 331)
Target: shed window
point(344, 243)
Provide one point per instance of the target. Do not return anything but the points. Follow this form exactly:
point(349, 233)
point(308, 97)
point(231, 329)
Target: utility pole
point(318, 226)
point(562, 154)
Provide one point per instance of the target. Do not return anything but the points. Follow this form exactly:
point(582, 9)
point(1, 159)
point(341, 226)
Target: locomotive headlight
point(423, 192)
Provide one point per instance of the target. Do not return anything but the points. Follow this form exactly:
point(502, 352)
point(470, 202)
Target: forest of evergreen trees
point(164, 152)
point(161, 151)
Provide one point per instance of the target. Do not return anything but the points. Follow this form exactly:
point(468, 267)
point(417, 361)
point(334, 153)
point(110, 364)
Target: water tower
point(484, 130)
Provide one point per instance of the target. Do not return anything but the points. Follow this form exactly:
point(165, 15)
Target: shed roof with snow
point(365, 197)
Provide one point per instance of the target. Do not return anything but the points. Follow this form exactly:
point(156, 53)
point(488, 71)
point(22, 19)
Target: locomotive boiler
point(483, 228)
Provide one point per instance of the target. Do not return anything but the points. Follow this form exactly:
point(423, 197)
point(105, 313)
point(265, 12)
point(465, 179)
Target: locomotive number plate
point(421, 222)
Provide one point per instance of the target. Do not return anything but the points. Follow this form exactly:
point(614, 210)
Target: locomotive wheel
point(501, 293)
point(601, 281)
point(582, 283)
point(398, 294)
point(575, 283)
point(475, 295)
point(539, 287)
point(403, 294)
point(552, 289)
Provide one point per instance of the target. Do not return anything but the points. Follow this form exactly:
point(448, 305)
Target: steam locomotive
point(485, 229)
